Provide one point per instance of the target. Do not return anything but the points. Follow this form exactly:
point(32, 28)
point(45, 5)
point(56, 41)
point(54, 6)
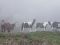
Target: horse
point(43, 25)
point(7, 26)
point(27, 24)
point(55, 26)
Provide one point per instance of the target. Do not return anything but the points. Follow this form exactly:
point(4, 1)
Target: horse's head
point(49, 22)
point(33, 21)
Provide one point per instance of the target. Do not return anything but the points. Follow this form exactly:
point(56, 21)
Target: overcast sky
point(19, 10)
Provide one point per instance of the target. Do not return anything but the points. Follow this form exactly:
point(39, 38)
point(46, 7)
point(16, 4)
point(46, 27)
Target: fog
point(24, 10)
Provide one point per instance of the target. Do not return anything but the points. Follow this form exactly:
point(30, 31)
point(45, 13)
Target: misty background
point(24, 10)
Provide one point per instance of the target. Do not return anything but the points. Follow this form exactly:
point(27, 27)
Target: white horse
point(27, 25)
point(43, 25)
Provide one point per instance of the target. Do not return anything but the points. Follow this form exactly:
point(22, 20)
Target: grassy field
point(33, 38)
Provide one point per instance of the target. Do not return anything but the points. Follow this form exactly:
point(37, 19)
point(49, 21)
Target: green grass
point(51, 37)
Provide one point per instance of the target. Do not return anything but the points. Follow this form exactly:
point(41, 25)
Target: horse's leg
point(36, 28)
point(30, 29)
point(4, 30)
point(23, 29)
point(44, 28)
point(1, 29)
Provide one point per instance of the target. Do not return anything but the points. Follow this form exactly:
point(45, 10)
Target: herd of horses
point(8, 26)
point(40, 25)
